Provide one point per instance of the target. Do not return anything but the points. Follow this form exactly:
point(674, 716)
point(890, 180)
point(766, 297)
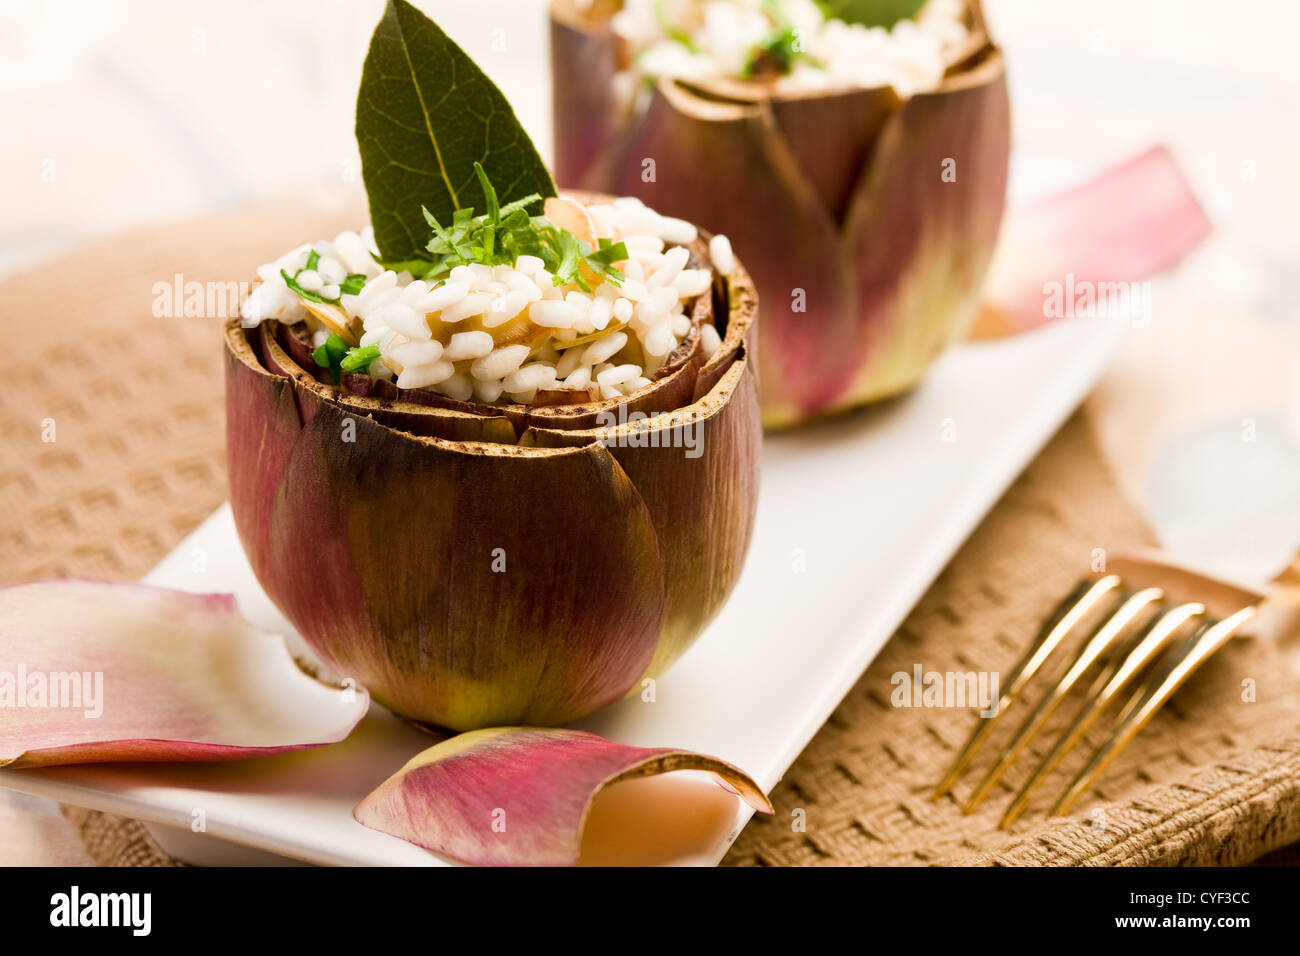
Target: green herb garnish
point(292, 282)
point(776, 54)
point(349, 285)
point(425, 115)
point(352, 284)
point(329, 354)
point(504, 233)
point(359, 358)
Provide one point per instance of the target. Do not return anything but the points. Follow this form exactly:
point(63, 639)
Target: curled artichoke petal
point(520, 796)
point(94, 672)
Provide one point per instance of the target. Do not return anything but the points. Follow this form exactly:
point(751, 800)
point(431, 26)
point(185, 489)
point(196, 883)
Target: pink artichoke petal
point(147, 674)
point(520, 796)
point(1133, 221)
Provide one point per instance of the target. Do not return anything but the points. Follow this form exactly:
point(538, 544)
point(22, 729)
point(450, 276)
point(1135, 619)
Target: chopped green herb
point(292, 282)
point(570, 258)
point(329, 354)
point(359, 359)
point(313, 260)
point(776, 54)
point(352, 284)
point(498, 237)
point(504, 233)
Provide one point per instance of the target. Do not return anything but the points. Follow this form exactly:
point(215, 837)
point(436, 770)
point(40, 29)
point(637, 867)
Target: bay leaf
point(425, 114)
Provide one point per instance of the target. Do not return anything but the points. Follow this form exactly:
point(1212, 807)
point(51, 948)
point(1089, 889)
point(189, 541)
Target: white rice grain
point(474, 304)
point(602, 309)
point(380, 283)
point(418, 354)
point(530, 377)
point(724, 259)
point(618, 375)
point(488, 391)
point(506, 307)
point(331, 270)
point(380, 335)
point(603, 348)
point(670, 267)
point(677, 231)
point(468, 345)
point(459, 387)
point(580, 377)
point(660, 341)
point(443, 296)
point(404, 319)
point(422, 376)
point(568, 362)
point(552, 314)
point(500, 363)
point(710, 341)
point(692, 282)
point(634, 290)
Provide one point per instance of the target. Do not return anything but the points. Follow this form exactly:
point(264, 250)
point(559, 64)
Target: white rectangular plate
point(856, 518)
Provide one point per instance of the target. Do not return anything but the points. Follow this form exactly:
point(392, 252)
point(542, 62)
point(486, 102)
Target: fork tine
point(1104, 637)
point(1067, 614)
point(1144, 703)
point(1108, 686)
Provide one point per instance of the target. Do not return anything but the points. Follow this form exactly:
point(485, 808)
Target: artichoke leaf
point(128, 672)
point(1134, 220)
point(522, 796)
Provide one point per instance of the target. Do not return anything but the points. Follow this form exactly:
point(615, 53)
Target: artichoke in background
point(868, 220)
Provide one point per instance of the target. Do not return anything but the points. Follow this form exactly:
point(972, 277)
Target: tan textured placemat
point(136, 462)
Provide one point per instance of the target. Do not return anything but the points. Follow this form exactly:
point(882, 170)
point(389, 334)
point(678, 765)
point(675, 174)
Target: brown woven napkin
point(113, 427)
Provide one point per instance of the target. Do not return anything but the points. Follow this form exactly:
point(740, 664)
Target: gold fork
point(1133, 653)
